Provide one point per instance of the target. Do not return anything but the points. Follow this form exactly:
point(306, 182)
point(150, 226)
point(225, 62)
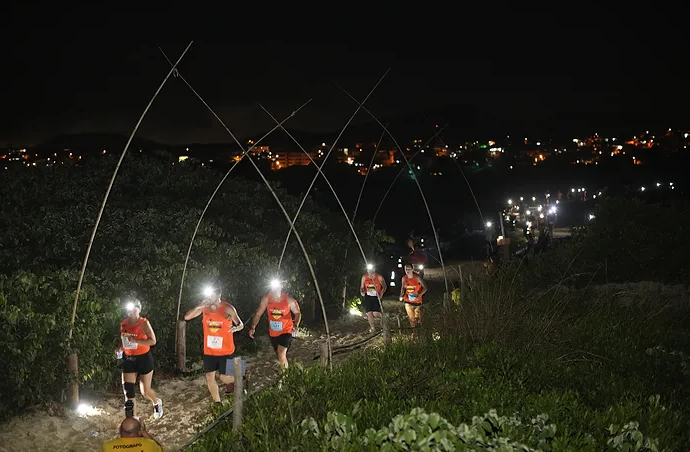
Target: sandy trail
point(186, 402)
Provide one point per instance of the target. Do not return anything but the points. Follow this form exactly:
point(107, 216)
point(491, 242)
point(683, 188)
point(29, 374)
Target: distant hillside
point(96, 142)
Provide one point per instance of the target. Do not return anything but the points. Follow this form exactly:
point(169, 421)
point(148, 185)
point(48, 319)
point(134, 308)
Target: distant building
point(286, 159)
point(258, 150)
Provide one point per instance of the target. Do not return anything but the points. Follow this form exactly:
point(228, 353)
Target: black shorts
point(213, 363)
point(371, 304)
point(139, 364)
point(283, 340)
point(414, 305)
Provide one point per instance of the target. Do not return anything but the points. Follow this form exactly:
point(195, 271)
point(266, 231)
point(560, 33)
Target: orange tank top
point(412, 288)
point(279, 316)
point(218, 339)
point(128, 330)
point(372, 285)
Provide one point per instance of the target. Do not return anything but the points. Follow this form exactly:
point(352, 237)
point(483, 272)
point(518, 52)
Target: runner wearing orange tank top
point(220, 322)
point(412, 288)
point(137, 337)
point(372, 287)
point(281, 327)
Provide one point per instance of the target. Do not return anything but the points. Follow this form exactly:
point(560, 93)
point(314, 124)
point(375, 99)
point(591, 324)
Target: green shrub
point(140, 249)
point(35, 312)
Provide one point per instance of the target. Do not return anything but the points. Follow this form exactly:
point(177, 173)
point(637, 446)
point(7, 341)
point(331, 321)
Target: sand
point(186, 403)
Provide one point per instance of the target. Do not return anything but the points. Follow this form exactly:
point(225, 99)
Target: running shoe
point(158, 409)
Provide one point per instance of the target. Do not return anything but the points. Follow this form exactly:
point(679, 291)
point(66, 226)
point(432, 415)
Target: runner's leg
point(212, 385)
point(129, 377)
point(145, 387)
point(281, 353)
point(370, 319)
point(410, 314)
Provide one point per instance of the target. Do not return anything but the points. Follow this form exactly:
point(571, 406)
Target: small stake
point(239, 394)
point(386, 330)
point(182, 346)
point(324, 355)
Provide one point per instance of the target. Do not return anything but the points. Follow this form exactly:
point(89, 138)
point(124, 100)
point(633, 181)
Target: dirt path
point(186, 403)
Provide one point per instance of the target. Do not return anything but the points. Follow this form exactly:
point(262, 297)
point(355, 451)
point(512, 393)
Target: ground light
point(84, 410)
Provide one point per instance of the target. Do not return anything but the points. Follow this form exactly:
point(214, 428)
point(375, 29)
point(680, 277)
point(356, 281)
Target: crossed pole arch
point(421, 192)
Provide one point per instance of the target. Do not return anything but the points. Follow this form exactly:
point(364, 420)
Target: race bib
point(371, 292)
point(214, 342)
point(412, 296)
point(128, 344)
point(276, 325)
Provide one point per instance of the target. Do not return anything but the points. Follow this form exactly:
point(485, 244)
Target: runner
point(416, 258)
point(412, 289)
point(220, 321)
point(372, 287)
point(137, 338)
point(281, 327)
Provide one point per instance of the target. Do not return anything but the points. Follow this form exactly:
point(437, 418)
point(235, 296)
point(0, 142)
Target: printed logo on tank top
point(214, 326)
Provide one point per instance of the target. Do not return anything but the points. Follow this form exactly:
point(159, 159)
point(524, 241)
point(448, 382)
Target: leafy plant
point(140, 248)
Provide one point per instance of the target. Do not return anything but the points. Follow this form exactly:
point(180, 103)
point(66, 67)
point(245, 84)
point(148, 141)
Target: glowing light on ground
point(85, 410)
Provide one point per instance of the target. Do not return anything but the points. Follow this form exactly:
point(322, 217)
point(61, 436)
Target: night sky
point(610, 74)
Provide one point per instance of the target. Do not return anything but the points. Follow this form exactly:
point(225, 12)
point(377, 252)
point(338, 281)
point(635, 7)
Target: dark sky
point(613, 70)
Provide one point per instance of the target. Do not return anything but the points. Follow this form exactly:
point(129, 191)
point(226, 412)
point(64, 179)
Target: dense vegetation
point(47, 218)
point(541, 356)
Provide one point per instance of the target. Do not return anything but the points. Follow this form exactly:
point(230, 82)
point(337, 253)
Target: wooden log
point(182, 346)
point(73, 369)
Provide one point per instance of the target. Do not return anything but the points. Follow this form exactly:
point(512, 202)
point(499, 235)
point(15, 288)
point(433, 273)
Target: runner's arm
point(257, 316)
point(361, 285)
point(194, 312)
point(148, 330)
point(384, 287)
point(402, 286)
point(231, 312)
point(424, 288)
point(294, 308)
